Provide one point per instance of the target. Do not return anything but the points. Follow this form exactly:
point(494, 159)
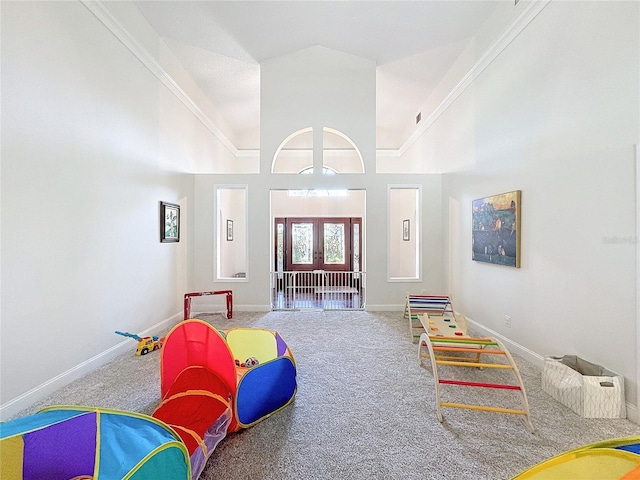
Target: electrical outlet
point(507, 321)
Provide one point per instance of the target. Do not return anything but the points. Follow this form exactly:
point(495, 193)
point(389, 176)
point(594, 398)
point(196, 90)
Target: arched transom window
point(339, 153)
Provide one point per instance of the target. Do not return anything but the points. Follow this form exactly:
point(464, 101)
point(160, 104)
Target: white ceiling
point(221, 44)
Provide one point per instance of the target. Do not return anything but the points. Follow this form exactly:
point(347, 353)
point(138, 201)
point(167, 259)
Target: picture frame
point(229, 230)
point(169, 222)
point(496, 234)
point(406, 230)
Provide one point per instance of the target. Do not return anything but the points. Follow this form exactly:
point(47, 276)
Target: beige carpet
point(364, 409)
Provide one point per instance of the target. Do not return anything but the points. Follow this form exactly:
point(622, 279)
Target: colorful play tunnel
point(63, 443)
point(196, 356)
point(212, 383)
point(207, 394)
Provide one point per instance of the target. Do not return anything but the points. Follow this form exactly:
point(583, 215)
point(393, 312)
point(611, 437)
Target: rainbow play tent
point(63, 443)
point(206, 393)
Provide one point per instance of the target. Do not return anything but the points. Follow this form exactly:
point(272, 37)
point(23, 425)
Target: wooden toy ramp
point(432, 305)
point(463, 352)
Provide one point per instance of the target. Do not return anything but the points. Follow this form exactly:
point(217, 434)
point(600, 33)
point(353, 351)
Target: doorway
point(318, 263)
point(318, 243)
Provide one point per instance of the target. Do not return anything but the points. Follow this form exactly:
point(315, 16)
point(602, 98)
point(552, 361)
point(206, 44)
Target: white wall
point(350, 205)
point(91, 143)
point(556, 116)
point(317, 87)
point(308, 89)
point(254, 294)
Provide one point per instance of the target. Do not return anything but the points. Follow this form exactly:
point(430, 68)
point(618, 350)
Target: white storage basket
point(588, 389)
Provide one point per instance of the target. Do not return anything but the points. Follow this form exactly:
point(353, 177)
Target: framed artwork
point(406, 230)
point(229, 230)
point(169, 222)
point(496, 229)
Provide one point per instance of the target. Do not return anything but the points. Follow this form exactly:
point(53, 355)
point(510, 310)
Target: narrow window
point(231, 233)
point(404, 233)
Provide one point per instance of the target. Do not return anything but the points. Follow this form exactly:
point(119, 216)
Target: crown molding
point(387, 152)
point(248, 153)
point(529, 12)
point(102, 12)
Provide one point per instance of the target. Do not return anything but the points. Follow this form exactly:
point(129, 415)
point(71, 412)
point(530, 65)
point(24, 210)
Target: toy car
point(148, 344)
point(145, 344)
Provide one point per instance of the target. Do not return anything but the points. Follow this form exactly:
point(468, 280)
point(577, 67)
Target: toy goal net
point(199, 304)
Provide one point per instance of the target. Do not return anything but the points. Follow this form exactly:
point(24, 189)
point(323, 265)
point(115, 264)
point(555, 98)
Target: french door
point(318, 244)
point(308, 244)
point(317, 263)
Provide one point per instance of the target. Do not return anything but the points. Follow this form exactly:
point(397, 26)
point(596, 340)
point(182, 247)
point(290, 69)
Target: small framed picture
point(229, 230)
point(169, 222)
point(406, 230)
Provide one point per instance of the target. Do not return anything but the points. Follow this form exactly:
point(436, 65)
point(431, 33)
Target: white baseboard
point(536, 359)
point(20, 403)
point(15, 406)
point(385, 308)
point(221, 308)
point(252, 308)
point(524, 352)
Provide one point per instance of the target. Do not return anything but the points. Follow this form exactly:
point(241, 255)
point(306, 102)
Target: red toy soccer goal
point(189, 296)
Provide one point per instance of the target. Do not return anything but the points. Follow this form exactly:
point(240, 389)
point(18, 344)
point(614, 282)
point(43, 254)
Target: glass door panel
point(279, 246)
point(302, 243)
point(356, 247)
point(334, 243)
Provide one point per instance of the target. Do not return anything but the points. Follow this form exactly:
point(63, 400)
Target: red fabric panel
point(194, 411)
point(189, 441)
point(199, 378)
point(195, 343)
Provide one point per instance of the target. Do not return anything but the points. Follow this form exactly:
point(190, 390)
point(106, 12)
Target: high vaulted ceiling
point(221, 45)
